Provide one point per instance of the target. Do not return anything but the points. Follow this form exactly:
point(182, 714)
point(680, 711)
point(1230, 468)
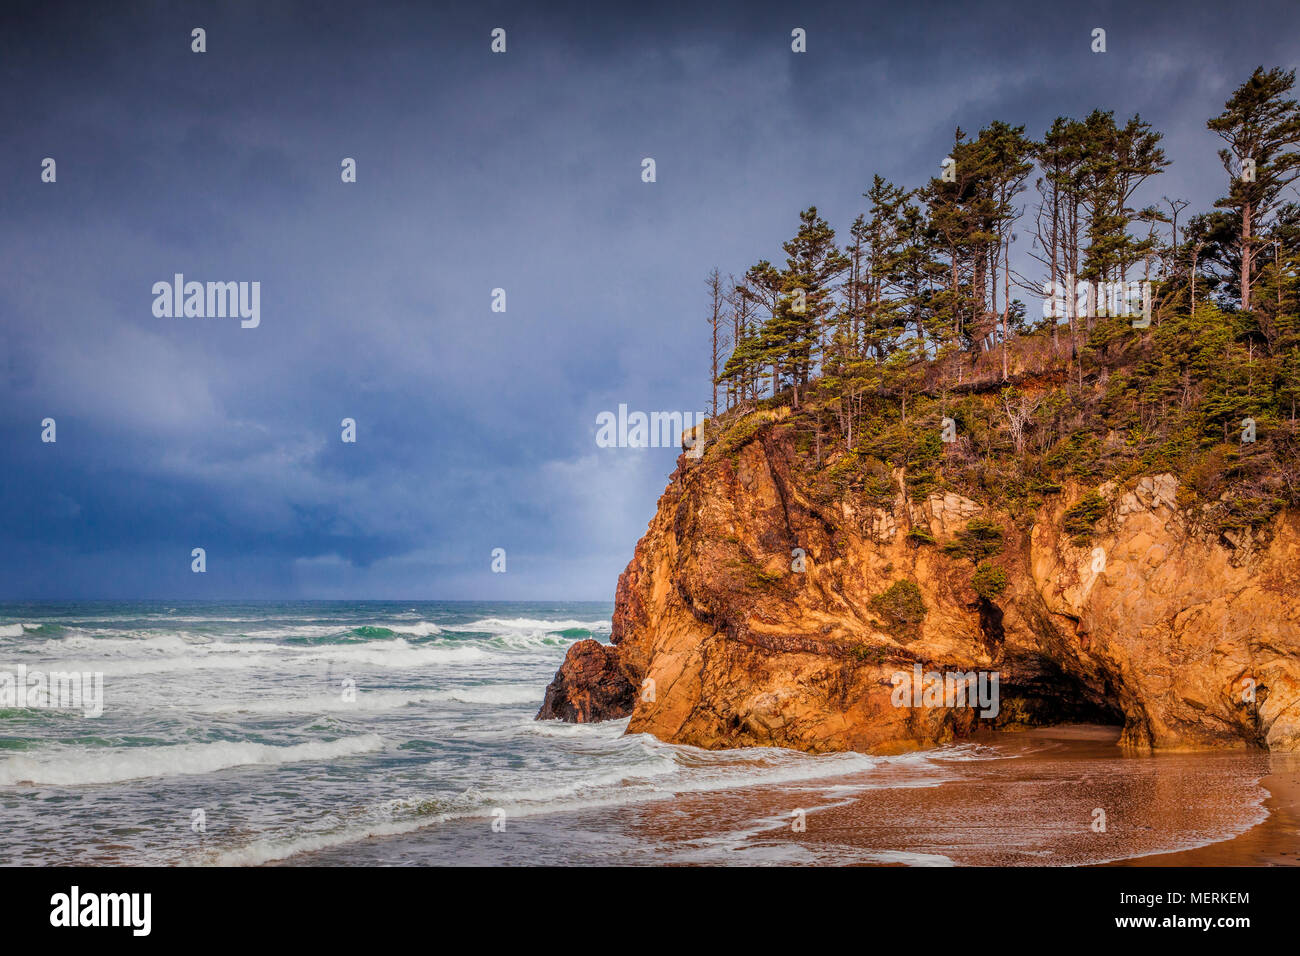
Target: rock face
point(756, 611)
point(590, 685)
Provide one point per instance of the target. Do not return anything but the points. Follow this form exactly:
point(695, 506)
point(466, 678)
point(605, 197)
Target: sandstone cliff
point(759, 611)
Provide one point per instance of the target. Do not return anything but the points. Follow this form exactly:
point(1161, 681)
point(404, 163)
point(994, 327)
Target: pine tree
point(958, 212)
point(913, 270)
point(1009, 165)
point(1062, 155)
point(765, 284)
point(1118, 161)
point(882, 232)
point(1261, 127)
point(813, 263)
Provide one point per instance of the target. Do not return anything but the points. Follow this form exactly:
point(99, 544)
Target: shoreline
point(1030, 802)
point(1042, 803)
point(1273, 842)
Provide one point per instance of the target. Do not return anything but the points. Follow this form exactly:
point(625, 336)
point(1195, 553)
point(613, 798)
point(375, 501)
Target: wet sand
point(1046, 806)
point(1275, 842)
point(1020, 799)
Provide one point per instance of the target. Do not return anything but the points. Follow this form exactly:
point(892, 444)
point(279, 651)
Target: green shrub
point(980, 539)
point(989, 580)
point(869, 654)
point(844, 472)
point(902, 608)
point(755, 576)
point(921, 482)
point(1247, 510)
point(1080, 518)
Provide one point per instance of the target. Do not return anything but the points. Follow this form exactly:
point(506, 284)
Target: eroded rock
point(590, 685)
point(1149, 623)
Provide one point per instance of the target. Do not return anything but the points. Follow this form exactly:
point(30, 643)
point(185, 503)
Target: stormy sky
point(475, 429)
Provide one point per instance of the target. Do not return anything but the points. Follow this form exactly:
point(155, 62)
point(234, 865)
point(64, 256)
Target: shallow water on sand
point(1007, 799)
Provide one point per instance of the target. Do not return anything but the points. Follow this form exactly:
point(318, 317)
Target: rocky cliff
point(757, 610)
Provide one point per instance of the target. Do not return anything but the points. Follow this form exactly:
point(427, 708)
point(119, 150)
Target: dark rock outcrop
point(589, 686)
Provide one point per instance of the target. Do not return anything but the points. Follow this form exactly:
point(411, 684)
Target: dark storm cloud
point(476, 429)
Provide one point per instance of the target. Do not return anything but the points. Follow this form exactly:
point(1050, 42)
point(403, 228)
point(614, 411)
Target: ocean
point(360, 733)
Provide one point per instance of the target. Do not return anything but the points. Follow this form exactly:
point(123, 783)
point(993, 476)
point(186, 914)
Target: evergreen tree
point(813, 263)
point(882, 316)
point(1261, 127)
point(1118, 161)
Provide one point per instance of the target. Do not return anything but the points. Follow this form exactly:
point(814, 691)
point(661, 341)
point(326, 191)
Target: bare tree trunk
point(714, 283)
point(1195, 254)
point(1056, 324)
point(1245, 257)
point(956, 309)
point(1006, 301)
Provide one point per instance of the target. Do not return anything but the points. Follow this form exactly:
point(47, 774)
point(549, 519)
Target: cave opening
point(1039, 693)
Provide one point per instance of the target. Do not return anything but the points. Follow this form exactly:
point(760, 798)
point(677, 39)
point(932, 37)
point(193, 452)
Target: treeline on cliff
point(912, 331)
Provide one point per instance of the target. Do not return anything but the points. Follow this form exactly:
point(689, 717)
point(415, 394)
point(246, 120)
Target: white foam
point(507, 625)
point(374, 700)
point(394, 653)
point(81, 766)
point(655, 772)
point(963, 752)
point(377, 700)
point(366, 701)
point(420, 629)
point(153, 646)
point(170, 653)
point(269, 851)
point(496, 694)
point(297, 630)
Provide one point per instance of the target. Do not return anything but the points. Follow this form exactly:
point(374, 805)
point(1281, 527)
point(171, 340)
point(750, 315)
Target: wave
point(965, 752)
point(496, 694)
point(271, 850)
point(396, 817)
point(419, 629)
point(320, 703)
point(377, 700)
point(79, 767)
point(299, 632)
point(371, 630)
point(171, 653)
point(387, 644)
point(656, 771)
point(510, 625)
point(396, 653)
point(530, 634)
point(148, 643)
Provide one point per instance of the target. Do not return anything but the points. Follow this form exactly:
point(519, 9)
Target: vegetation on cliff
point(902, 607)
point(906, 348)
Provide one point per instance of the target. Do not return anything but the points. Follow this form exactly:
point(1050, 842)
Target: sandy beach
point(1044, 805)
